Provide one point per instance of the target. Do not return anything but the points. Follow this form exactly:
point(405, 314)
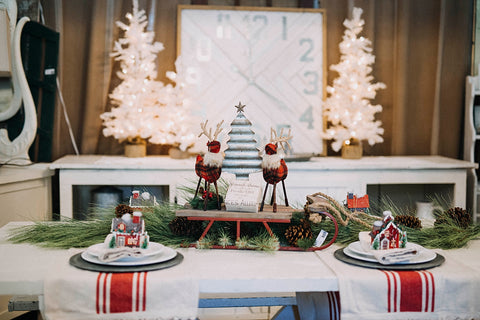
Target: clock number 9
point(203, 49)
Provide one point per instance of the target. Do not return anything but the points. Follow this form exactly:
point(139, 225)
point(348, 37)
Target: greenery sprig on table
point(447, 234)
point(83, 233)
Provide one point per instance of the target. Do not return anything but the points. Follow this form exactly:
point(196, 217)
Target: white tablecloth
point(72, 293)
point(24, 269)
point(450, 291)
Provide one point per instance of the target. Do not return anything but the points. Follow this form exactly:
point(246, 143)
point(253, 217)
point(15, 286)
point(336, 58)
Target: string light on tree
point(175, 125)
point(347, 107)
point(135, 99)
point(144, 109)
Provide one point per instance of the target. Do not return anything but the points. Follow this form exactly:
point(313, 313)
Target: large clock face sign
point(270, 60)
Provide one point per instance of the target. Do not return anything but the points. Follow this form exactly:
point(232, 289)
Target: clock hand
point(243, 75)
point(280, 103)
point(252, 82)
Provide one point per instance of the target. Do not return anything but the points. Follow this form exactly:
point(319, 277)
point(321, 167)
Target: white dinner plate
point(355, 250)
point(358, 249)
point(165, 254)
point(153, 249)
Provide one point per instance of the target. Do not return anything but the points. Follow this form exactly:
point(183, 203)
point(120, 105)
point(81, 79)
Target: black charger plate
point(77, 261)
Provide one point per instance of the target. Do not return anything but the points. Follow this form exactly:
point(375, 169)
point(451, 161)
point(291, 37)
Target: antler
point(208, 133)
point(281, 139)
point(218, 130)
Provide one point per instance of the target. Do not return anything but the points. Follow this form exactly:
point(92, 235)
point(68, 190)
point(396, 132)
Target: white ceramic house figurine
point(12, 96)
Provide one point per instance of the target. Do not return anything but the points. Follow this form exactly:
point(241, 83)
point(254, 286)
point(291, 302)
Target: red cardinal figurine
point(209, 167)
point(274, 167)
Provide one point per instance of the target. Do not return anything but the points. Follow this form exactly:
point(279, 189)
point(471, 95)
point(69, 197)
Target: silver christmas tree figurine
point(241, 156)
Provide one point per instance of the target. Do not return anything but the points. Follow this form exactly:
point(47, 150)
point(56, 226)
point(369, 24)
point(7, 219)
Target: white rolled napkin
point(109, 255)
point(393, 256)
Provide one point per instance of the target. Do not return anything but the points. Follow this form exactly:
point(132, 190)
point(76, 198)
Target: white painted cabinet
point(331, 175)
point(25, 193)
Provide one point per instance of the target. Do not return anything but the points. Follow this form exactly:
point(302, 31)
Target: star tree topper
point(240, 107)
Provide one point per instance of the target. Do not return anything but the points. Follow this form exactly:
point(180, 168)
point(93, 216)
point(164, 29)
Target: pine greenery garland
point(242, 243)
point(79, 234)
point(264, 242)
point(224, 239)
point(62, 234)
point(71, 233)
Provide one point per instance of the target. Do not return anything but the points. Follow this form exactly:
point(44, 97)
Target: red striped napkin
point(71, 293)
point(410, 291)
point(450, 291)
point(121, 292)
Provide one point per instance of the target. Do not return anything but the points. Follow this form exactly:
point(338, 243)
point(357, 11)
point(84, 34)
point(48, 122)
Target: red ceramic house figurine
point(128, 231)
point(388, 235)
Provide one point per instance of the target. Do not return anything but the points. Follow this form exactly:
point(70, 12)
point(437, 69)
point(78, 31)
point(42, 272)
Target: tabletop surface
point(240, 273)
point(316, 163)
point(24, 266)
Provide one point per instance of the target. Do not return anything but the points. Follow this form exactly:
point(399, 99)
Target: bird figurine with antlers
point(209, 167)
point(274, 167)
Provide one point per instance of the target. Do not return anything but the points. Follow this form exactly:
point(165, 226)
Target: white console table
point(331, 175)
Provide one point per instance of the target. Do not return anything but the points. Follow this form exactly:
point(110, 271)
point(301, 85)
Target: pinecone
point(121, 209)
point(181, 226)
point(408, 221)
point(297, 232)
point(460, 216)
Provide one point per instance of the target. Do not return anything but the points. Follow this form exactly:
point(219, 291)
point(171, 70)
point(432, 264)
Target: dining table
point(317, 284)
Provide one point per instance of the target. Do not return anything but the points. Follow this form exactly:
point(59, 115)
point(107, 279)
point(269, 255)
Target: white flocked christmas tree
point(144, 109)
point(347, 107)
point(178, 120)
point(136, 100)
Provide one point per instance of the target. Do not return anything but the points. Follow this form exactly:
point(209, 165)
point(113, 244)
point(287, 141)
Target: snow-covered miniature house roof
point(130, 226)
point(143, 200)
point(393, 230)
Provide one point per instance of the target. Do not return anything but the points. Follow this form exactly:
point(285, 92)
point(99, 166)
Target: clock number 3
point(307, 56)
point(311, 77)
